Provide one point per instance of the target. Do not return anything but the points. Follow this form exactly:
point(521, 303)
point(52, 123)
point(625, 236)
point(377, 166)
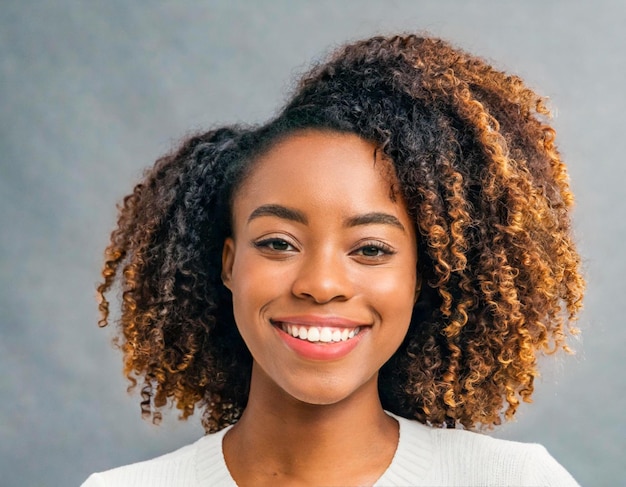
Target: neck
point(282, 440)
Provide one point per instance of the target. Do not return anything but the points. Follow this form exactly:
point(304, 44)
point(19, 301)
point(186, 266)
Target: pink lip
point(320, 351)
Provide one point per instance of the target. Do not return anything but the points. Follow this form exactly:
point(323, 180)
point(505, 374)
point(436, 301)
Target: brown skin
point(311, 421)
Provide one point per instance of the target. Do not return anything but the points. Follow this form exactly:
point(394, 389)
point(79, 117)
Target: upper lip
point(318, 320)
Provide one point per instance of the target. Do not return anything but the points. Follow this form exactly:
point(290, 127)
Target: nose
point(323, 277)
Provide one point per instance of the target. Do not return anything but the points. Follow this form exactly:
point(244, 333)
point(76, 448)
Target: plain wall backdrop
point(92, 92)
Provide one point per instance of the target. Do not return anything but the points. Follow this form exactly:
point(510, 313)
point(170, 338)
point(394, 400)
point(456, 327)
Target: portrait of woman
point(357, 290)
point(299, 243)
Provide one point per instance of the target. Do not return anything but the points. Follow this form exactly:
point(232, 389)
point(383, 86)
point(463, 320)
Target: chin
point(324, 399)
point(328, 393)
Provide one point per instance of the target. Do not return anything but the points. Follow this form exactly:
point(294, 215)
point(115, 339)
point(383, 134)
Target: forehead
point(327, 178)
point(328, 160)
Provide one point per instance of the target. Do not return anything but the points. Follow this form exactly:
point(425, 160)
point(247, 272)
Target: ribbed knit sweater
point(425, 456)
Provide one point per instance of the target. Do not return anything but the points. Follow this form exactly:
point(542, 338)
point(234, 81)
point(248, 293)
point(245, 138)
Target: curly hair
point(477, 165)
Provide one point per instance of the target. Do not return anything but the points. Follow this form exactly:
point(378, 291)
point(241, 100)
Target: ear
point(228, 259)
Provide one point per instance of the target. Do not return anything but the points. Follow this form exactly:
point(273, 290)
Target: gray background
point(91, 92)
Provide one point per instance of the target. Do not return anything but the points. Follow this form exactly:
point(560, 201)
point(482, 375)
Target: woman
point(348, 289)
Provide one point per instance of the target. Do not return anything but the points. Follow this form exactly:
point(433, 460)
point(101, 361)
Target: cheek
point(396, 285)
point(255, 282)
point(393, 296)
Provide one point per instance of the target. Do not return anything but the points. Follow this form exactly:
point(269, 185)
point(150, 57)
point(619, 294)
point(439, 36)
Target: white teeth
point(314, 335)
point(326, 335)
point(302, 333)
point(321, 334)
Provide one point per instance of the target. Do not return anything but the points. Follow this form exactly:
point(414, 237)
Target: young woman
point(348, 290)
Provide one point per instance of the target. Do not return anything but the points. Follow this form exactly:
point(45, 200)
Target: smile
point(320, 334)
point(320, 338)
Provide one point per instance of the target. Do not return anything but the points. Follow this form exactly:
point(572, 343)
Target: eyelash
point(268, 242)
point(379, 247)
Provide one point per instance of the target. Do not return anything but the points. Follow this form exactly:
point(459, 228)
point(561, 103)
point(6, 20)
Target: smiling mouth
point(319, 334)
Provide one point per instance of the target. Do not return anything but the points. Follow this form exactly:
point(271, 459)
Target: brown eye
point(374, 250)
point(371, 251)
point(279, 245)
point(275, 244)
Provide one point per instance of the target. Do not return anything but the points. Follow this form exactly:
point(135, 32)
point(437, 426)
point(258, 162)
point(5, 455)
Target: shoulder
point(498, 462)
point(178, 468)
point(462, 457)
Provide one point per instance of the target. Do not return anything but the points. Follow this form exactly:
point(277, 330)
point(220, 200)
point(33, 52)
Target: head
point(321, 263)
point(468, 153)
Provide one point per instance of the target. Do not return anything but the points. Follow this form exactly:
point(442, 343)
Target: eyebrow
point(279, 211)
point(375, 218)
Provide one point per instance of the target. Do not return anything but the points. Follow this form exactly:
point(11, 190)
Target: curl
point(477, 165)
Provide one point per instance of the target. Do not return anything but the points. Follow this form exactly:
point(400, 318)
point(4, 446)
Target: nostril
point(323, 282)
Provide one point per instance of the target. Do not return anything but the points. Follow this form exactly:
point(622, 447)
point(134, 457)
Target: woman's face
point(321, 266)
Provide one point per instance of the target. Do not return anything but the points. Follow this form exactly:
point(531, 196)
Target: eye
point(371, 251)
point(274, 244)
point(374, 250)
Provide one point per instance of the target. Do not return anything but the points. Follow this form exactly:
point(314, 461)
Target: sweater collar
point(410, 462)
point(414, 454)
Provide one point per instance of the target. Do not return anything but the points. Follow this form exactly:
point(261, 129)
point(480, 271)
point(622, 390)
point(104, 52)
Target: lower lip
point(318, 350)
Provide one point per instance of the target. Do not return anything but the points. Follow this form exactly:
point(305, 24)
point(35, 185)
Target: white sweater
point(425, 457)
